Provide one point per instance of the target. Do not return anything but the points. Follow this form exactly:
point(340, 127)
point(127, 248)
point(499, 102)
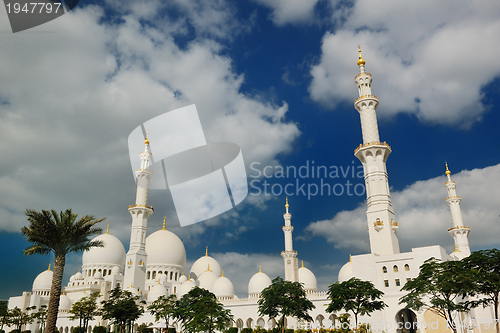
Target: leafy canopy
point(285, 298)
point(359, 297)
point(199, 311)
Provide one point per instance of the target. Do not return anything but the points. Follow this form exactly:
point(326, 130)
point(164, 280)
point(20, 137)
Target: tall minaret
point(135, 266)
point(289, 255)
point(373, 155)
point(459, 232)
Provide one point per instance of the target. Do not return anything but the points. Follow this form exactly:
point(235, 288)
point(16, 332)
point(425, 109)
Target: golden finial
point(448, 172)
point(287, 205)
point(48, 268)
point(206, 252)
point(260, 269)
point(208, 269)
point(164, 219)
point(361, 61)
point(302, 263)
point(350, 258)
point(190, 277)
point(222, 274)
point(107, 229)
point(131, 285)
point(147, 138)
point(456, 249)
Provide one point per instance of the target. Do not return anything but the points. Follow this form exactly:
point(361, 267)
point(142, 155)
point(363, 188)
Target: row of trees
point(447, 288)
point(17, 318)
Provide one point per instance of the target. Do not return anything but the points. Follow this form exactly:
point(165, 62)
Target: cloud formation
point(427, 58)
point(424, 216)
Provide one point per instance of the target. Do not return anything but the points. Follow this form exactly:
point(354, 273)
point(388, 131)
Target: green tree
point(285, 298)
point(4, 315)
point(60, 234)
point(122, 308)
point(85, 310)
point(18, 318)
point(41, 316)
point(359, 297)
point(485, 272)
point(162, 308)
point(199, 311)
point(440, 287)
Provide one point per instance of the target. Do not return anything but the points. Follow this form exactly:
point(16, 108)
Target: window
point(386, 283)
point(398, 283)
point(384, 269)
point(407, 267)
point(395, 269)
point(408, 279)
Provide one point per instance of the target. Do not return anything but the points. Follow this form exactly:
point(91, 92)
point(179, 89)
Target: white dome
point(162, 277)
point(165, 248)
point(202, 264)
point(133, 291)
point(258, 282)
point(185, 288)
point(64, 303)
point(183, 278)
point(98, 275)
point(156, 291)
point(113, 252)
point(78, 276)
point(43, 281)
point(207, 279)
point(308, 279)
point(115, 270)
point(345, 272)
point(223, 287)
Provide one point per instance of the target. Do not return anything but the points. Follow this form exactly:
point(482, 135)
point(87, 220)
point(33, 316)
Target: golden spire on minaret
point(260, 269)
point(206, 252)
point(287, 205)
point(302, 263)
point(107, 229)
point(361, 61)
point(147, 138)
point(448, 172)
point(164, 218)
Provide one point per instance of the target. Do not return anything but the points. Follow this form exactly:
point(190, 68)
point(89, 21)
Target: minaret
point(373, 155)
point(289, 255)
point(459, 232)
point(135, 267)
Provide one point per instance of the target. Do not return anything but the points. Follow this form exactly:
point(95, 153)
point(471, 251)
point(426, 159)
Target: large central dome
point(113, 252)
point(165, 248)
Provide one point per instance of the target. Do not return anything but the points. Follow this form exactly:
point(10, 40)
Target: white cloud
point(74, 88)
point(424, 216)
point(290, 11)
point(426, 58)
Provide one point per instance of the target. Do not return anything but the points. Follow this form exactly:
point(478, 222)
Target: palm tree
point(60, 234)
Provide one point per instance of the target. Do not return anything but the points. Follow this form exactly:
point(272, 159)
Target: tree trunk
point(495, 304)
point(283, 324)
point(55, 293)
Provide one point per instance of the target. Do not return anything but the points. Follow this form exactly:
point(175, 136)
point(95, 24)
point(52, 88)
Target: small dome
point(156, 291)
point(43, 281)
point(258, 282)
point(113, 252)
point(162, 277)
point(64, 303)
point(97, 275)
point(345, 272)
point(78, 276)
point(223, 287)
point(183, 278)
point(165, 248)
point(201, 265)
point(133, 291)
point(308, 279)
point(207, 279)
point(185, 288)
point(115, 270)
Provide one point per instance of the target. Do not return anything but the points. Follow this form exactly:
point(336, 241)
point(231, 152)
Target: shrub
point(26, 331)
point(169, 330)
point(289, 330)
point(99, 329)
point(246, 330)
point(143, 328)
point(232, 330)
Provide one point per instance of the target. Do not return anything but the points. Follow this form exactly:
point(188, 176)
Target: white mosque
point(155, 265)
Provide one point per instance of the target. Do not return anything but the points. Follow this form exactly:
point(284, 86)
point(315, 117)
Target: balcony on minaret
point(130, 263)
point(141, 263)
point(394, 225)
point(378, 225)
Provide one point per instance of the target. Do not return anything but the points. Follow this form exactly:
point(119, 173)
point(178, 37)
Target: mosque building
point(155, 265)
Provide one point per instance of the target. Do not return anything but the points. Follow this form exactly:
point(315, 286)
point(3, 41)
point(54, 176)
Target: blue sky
point(275, 77)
